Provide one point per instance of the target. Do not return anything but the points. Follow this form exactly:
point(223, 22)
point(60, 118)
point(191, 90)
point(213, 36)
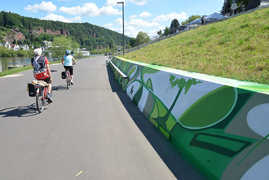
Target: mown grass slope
point(237, 48)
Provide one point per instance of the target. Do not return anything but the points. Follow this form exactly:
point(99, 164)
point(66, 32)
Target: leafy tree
point(60, 44)
point(166, 31)
point(190, 19)
point(142, 38)
point(132, 42)
point(87, 35)
point(174, 26)
point(160, 33)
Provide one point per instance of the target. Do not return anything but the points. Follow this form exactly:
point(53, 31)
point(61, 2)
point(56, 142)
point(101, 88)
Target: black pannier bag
point(31, 90)
point(63, 75)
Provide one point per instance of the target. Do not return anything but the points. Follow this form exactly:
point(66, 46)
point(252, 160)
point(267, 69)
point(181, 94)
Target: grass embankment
point(237, 48)
point(21, 69)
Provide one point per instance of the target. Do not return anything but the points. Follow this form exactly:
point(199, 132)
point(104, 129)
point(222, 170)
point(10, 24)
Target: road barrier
point(220, 125)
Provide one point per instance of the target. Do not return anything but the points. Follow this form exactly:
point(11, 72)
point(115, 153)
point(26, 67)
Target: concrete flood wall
point(220, 125)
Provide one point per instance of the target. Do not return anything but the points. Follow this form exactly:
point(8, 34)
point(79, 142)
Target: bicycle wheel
point(39, 100)
point(68, 79)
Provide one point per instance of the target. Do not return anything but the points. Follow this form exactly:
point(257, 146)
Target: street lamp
point(123, 43)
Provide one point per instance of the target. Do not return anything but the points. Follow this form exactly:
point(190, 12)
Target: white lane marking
point(79, 173)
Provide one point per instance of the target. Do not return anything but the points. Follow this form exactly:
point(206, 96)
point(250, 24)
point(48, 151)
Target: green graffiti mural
point(222, 130)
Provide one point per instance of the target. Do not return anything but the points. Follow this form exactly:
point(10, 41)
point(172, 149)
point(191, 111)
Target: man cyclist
point(68, 61)
point(42, 70)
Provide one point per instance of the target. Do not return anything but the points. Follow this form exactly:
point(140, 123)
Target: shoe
point(49, 98)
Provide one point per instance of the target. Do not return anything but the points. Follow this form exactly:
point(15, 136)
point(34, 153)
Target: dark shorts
point(69, 68)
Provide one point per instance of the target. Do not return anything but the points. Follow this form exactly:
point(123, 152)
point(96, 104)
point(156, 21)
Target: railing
point(118, 70)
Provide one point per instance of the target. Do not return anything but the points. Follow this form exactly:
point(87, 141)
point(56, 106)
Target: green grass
point(237, 48)
point(15, 70)
point(21, 69)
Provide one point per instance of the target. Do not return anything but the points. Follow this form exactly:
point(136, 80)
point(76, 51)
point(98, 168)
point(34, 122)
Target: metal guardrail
point(118, 70)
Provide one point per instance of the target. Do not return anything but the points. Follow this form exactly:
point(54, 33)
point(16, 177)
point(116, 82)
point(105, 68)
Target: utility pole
point(123, 41)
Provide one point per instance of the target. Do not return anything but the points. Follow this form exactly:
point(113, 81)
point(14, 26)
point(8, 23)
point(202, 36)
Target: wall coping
point(246, 85)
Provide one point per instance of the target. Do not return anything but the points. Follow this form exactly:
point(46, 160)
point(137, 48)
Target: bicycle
point(68, 79)
point(40, 91)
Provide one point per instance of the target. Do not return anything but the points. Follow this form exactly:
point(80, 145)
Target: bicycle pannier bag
point(31, 90)
point(63, 75)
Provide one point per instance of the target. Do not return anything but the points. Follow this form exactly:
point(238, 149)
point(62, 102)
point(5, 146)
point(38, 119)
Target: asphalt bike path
point(91, 131)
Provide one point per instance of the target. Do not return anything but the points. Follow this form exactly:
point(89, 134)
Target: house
point(25, 47)
point(15, 47)
point(7, 45)
point(85, 53)
point(264, 3)
point(47, 44)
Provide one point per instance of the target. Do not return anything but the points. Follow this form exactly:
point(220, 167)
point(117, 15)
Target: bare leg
point(49, 88)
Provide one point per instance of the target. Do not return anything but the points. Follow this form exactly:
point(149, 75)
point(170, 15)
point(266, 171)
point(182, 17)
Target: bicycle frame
point(41, 96)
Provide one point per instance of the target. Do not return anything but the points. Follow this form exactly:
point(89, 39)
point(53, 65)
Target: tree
point(60, 44)
point(166, 31)
point(190, 19)
point(142, 38)
point(174, 26)
point(160, 33)
point(132, 42)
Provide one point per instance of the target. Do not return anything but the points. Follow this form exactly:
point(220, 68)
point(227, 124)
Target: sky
point(147, 16)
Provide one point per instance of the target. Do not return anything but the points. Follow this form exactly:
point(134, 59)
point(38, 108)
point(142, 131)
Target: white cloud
point(109, 10)
point(145, 14)
point(55, 17)
point(43, 6)
point(139, 2)
point(169, 17)
point(119, 21)
point(151, 26)
point(143, 23)
point(113, 2)
point(90, 9)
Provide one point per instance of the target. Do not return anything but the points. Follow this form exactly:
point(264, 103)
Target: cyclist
point(68, 61)
point(42, 70)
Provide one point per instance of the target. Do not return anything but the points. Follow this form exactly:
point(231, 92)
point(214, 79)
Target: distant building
point(47, 44)
point(264, 3)
point(25, 47)
point(85, 53)
point(16, 47)
point(7, 45)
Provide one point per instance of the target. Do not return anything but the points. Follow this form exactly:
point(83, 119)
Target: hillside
point(236, 48)
point(31, 30)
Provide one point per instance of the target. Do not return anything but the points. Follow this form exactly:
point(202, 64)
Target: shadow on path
point(170, 156)
point(59, 88)
point(20, 111)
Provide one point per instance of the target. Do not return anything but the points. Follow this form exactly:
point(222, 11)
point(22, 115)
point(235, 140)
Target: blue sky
point(140, 15)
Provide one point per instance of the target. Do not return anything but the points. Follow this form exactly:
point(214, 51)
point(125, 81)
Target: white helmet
point(38, 52)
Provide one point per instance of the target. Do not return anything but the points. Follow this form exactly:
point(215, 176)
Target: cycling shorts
point(69, 68)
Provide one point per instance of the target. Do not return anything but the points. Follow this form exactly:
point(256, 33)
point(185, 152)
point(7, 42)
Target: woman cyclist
point(42, 70)
point(68, 61)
